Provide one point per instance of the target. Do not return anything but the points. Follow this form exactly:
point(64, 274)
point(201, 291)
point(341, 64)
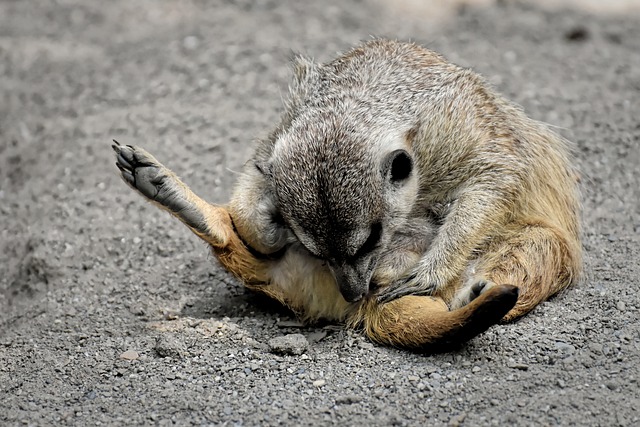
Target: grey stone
point(292, 344)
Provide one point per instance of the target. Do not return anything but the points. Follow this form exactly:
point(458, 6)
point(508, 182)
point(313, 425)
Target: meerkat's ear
point(397, 166)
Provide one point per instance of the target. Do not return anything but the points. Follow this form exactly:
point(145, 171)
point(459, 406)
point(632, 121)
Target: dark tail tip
point(482, 313)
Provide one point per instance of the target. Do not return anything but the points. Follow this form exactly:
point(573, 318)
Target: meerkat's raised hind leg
point(141, 171)
point(160, 185)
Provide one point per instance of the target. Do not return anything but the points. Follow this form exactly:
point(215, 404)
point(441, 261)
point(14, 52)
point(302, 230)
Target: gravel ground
point(113, 313)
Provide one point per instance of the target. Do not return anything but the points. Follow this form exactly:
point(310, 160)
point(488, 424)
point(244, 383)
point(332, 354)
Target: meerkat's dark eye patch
point(401, 166)
point(398, 166)
point(372, 241)
point(277, 218)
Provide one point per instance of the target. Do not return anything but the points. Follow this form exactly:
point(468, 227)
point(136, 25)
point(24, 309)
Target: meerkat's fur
point(399, 193)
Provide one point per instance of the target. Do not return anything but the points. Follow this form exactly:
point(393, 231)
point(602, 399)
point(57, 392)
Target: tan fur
point(418, 322)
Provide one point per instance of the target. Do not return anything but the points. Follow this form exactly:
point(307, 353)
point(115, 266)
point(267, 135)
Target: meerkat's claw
point(126, 174)
point(411, 284)
point(477, 289)
point(399, 290)
point(470, 292)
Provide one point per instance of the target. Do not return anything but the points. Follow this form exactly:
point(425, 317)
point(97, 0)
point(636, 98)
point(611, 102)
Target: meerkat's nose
point(353, 284)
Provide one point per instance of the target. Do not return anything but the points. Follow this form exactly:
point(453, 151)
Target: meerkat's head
point(342, 188)
point(340, 172)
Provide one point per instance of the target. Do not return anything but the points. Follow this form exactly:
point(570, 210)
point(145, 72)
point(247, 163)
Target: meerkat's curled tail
point(425, 323)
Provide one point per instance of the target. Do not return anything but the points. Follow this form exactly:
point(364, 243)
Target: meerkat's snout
point(352, 279)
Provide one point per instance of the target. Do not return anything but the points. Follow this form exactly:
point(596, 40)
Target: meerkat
point(399, 193)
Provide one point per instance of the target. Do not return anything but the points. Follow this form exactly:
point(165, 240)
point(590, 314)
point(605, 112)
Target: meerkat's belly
point(308, 287)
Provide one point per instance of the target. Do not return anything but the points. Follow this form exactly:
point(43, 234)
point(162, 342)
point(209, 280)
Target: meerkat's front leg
point(467, 225)
point(404, 251)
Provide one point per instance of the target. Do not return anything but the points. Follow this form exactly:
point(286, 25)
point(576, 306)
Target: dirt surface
point(113, 313)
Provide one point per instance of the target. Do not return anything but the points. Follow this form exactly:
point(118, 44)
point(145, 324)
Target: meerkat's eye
point(277, 218)
point(401, 166)
point(398, 166)
point(372, 241)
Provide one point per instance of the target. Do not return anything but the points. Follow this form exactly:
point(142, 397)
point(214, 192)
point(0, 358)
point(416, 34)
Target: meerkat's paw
point(142, 171)
point(470, 292)
point(157, 183)
point(391, 266)
point(418, 281)
point(413, 284)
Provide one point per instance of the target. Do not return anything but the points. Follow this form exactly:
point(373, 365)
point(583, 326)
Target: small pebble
point(621, 306)
point(293, 344)
point(130, 355)
point(457, 420)
point(564, 347)
point(519, 366)
point(290, 324)
point(191, 42)
point(348, 399)
point(319, 383)
point(170, 346)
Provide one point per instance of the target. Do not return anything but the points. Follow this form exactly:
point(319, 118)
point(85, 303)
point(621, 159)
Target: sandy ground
point(113, 313)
